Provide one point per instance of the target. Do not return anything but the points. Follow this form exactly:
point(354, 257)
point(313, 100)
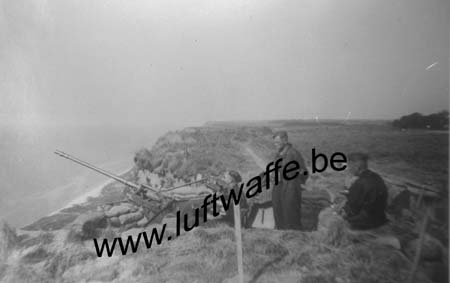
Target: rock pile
point(433, 259)
point(125, 214)
point(332, 229)
point(121, 216)
point(88, 226)
point(313, 202)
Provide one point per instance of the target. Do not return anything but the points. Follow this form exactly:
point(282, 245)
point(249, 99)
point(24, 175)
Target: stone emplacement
point(120, 216)
point(89, 225)
point(332, 228)
point(313, 202)
point(125, 214)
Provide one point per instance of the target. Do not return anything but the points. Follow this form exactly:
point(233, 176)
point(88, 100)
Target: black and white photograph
point(224, 141)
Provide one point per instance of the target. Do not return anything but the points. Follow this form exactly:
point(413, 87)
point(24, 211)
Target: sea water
point(35, 182)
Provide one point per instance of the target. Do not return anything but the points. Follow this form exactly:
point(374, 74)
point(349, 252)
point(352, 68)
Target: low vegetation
point(435, 121)
point(52, 250)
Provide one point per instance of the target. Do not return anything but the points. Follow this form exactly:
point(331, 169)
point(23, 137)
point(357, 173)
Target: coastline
point(95, 191)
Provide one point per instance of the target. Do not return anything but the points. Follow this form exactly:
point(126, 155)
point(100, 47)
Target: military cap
point(281, 134)
point(235, 175)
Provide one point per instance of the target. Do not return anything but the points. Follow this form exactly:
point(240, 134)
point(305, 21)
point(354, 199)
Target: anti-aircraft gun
point(142, 194)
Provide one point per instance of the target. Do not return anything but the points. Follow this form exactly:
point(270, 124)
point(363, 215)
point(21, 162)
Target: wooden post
point(238, 234)
point(419, 200)
point(418, 254)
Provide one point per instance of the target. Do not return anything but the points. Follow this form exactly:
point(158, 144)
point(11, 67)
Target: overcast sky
point(188, 62)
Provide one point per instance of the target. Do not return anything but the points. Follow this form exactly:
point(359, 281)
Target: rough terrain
point(59, 248)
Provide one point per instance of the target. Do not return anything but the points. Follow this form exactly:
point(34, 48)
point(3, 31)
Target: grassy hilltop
point(49, 249)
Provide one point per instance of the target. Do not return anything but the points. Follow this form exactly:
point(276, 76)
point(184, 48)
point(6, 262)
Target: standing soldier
point(287, 196)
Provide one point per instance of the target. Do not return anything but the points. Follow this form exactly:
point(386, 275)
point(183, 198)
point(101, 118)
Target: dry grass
point(418, 155)
point(36, 255)
point(43, 239)
point(208, 253)
point(52, 222)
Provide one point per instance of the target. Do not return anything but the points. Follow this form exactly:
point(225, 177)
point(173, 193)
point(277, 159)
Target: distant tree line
point(435, 121)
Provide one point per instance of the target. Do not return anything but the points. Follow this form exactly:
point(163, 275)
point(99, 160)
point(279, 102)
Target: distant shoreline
point(94, 192)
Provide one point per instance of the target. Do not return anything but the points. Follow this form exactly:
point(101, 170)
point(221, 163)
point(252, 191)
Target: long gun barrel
point(184, 185)
point(106, 173)
point(155, 194)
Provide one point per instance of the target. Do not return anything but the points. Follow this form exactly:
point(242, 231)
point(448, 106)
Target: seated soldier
point(367, 196)
point(233, 178)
